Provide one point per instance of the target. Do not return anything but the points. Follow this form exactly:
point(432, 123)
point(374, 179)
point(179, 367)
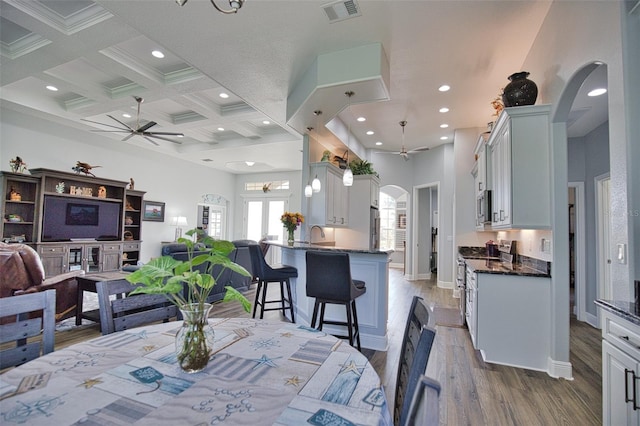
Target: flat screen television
point(66, 219)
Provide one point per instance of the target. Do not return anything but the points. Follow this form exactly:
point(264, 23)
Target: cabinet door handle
point(495, 216)
point(633, 388)
point(501, 215)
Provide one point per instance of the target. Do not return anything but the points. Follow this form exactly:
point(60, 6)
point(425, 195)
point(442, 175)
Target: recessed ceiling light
point(125, 115)
point(444, 88)
point(444, 109)
point(444, 126)
point(224, 95)
point(597, 92)
point(378, 143)
point(52, 88)
point(266, 122)
point(361, 119)
point(370, 132)
point(157, 54)
point(249, 163)
point(221, 129)
point(444, 138)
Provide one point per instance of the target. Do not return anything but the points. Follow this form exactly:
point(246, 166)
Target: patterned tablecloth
point(262, 373)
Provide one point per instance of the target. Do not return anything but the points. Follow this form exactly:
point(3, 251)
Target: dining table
point(260, 372)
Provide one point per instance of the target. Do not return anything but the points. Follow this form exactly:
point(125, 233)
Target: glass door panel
point(254, 220)
point(93, 259)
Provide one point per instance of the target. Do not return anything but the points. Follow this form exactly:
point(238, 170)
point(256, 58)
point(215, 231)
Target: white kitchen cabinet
point(482, 176)
point(509, 320)
point(620, 371)
point(519, 162)
point(330, 206)
point(361, 201)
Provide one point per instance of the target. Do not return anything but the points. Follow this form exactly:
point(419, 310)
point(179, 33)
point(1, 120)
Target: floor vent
point(341, 10)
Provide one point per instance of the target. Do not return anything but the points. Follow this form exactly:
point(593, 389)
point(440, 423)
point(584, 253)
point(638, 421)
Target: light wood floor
point(473, 392)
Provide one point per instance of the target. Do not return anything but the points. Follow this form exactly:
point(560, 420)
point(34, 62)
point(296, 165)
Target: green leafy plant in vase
point(188, 287)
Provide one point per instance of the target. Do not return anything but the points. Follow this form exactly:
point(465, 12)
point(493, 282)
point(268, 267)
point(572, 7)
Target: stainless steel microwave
point(483, 207)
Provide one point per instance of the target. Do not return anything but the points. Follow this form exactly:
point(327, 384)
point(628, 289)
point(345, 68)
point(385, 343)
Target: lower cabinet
point(620, 371)
point(92, 258)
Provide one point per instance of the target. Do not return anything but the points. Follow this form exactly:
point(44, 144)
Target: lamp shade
point(179, 221)
point(315, 184)
point(308, 191)
point(347, 177)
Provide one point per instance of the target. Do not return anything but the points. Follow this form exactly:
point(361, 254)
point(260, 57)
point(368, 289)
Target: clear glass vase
point(194, 341)
point(290, 237)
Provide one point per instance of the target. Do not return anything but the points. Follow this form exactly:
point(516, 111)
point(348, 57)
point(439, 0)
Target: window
point(387, 222)
point(267, 186)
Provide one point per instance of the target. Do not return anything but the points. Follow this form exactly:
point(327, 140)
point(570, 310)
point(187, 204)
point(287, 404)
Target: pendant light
point(308, 191)
point(315, 184)
point(347, 177)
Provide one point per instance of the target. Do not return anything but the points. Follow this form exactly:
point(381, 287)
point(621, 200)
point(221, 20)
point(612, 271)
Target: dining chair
point(124, 311)
point(266, 274)
point(25, 329)
point(410, 352)
point(329, 282)
point(425, 405)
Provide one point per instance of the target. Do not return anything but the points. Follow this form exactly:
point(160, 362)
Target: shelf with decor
point(19, 212)
point(132, 234)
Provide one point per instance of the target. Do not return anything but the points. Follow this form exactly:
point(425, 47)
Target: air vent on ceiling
point(341, 10)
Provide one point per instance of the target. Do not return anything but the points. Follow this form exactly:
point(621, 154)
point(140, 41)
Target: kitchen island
point(370, 266)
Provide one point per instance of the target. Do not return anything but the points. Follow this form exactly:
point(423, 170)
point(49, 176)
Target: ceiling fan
point(138, 130)
point(403, 151)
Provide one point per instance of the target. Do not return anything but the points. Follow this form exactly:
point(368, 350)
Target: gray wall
point(588, 158)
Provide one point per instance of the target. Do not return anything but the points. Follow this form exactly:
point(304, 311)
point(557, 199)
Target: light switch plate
point(621, 254)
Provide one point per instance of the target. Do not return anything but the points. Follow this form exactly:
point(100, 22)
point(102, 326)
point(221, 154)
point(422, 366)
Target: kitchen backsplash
point(535, 244)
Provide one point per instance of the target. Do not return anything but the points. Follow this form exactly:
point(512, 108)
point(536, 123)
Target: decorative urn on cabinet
point(520, 91)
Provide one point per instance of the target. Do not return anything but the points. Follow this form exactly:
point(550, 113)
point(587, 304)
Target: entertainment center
point(73, 221)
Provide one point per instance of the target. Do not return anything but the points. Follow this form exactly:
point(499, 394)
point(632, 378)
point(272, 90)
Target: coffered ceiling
point(98, 55)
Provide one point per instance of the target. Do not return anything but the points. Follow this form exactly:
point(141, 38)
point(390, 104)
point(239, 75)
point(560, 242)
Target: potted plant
point(362, 167)
point(188, 288)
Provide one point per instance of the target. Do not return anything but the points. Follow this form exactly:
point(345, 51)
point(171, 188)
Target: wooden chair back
point(417, 319)
point(425, 405)
point(24, 329)
point(126, 311)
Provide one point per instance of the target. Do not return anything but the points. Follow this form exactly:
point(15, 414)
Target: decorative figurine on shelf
point(497, 105)
point(17, 165)
point(128, 220)
point(85, 168)
point(129, 206)
point(60, 188)
point(14, 195)
point(102, 192)
point(266, 187)
point(326, 155)
point(128, 236)
point(132, 184)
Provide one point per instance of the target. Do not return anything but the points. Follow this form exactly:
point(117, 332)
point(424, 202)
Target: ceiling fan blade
point(148, 135)
point(146, 127)
point(151, 140)
point(165, 133)
point(421, 149)
point(124, 124)
point(103, 124)
point(111, 131)
point(405, 156)
point(387, 152)
point(126, 138)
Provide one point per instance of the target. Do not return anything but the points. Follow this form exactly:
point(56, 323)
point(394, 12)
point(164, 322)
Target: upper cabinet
point(482, 164)
point(330, 206)
point(519, 163)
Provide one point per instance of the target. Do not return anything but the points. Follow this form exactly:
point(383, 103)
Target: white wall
point(179, 184)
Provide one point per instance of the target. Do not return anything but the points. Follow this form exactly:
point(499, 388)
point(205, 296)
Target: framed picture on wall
point(152, 211)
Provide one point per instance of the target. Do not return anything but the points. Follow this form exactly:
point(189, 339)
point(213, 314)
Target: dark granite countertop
point(497, 267)
point(321, 247)
point(626, 310)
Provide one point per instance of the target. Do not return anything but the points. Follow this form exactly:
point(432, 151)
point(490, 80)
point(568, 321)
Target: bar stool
point(266, 274)
point(329, 281)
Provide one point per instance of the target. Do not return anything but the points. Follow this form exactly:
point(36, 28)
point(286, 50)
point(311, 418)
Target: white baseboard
point(424, 276)
point(445, 284)
point(560, 369)
point(396, 265)
point(592, 320)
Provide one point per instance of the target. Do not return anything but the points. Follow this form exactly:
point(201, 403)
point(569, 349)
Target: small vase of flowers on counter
point(291, 221)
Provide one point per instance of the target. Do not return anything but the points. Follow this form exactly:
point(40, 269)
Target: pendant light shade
point(315, 184)
point(347, 177)
point(308, 191)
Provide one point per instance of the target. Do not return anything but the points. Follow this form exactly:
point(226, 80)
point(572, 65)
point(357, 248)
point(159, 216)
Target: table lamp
point(179, 222)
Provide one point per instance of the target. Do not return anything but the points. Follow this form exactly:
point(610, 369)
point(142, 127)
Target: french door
point(262, 218)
